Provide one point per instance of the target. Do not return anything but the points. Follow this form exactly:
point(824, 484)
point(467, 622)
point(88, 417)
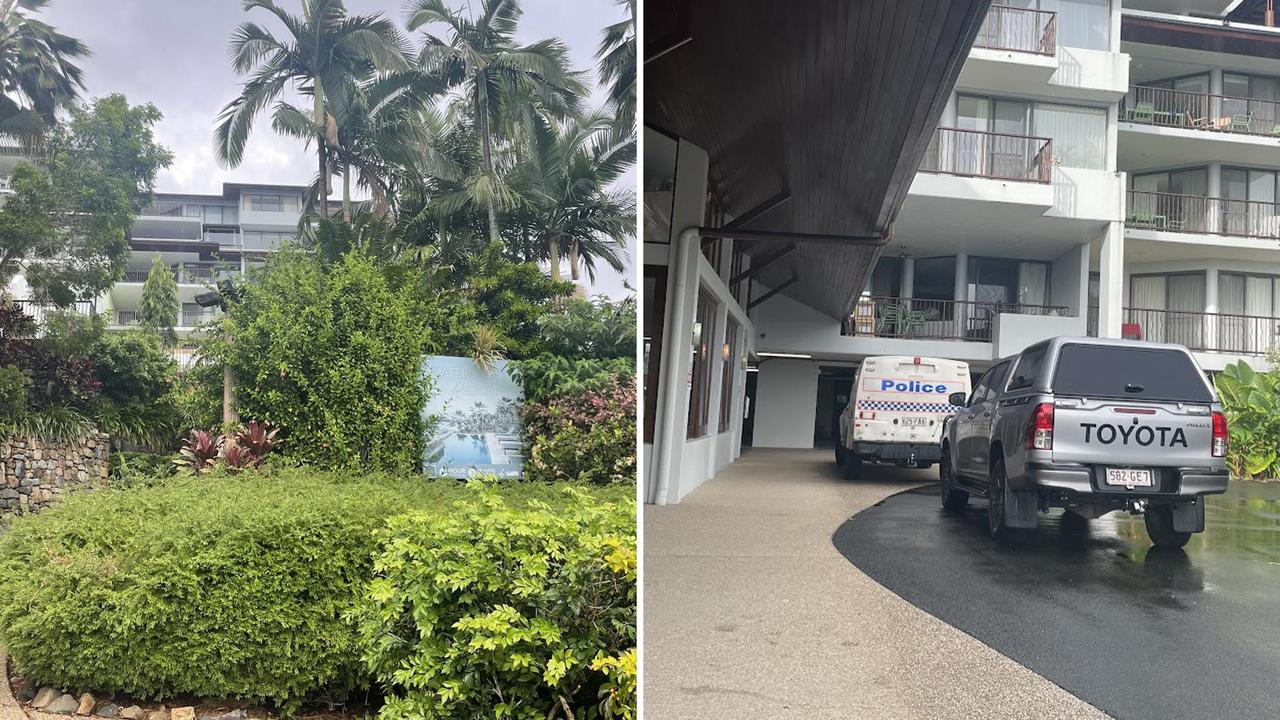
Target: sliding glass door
point(1248, 304)
point(1169, 308)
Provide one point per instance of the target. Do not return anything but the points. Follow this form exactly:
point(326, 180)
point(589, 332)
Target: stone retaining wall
point(37, 473)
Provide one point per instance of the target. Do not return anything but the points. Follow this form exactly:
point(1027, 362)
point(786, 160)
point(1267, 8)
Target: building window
point(1168, 307)
point(1008, 282)
point(260, 240)
point(261, 202)
point(934, 278)
point(704, 333)
point(886, 278)
point(1248, 304)
point(655, 305)
point(1079, 134)
point(730, 354)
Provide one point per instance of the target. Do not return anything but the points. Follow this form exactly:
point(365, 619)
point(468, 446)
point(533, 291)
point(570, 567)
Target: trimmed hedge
point(222, 586)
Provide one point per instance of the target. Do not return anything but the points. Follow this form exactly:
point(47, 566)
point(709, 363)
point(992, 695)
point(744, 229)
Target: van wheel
point(996, 525)
point(953, 498)
point(1159, 521)
point(840, 453)
point(852, 465)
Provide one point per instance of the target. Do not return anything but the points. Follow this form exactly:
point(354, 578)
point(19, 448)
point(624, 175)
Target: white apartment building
point(1102, 167)
point(201, 238)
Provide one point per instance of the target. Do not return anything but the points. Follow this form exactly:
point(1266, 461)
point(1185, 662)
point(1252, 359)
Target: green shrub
point(209, 586)
point(496, 612)
point(549, 376)
point(585, 437)
point(1251, 402)
point(140, 469)
point(333, 357)
point(15, 388)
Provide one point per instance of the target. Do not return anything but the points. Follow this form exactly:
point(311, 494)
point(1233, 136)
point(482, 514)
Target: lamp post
point(218, 298)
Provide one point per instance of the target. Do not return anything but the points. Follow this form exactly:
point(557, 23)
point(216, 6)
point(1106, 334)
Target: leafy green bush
point(15, 388)
point(599, 328)
point(491, 611)
point(222, 586)
point(332, 357)
point(140, 469)
point(1251, 402)
point(584, 437)
point(548, 376)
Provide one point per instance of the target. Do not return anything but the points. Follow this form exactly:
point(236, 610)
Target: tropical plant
point(158, 308)
point(587, 437)
point(570, 207)
point(64, 225)
point(617, 65)
point(15, 389)
point(502, 83)
point(596, 328)
point(1251, 402)
point(200, 451)
point(257, 440)
point(324, 54)
point(37, 69)
point(549, 376)
point(489, 610)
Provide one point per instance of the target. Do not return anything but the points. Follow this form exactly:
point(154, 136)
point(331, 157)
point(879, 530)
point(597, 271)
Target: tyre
point(1074, 524)
point(852, 465)
point(1160, 528)
point(953, 498)
point(924, 464)
point(840, 453)
point(1000, 531)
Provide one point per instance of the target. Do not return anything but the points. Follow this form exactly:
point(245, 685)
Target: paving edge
point(9, 707)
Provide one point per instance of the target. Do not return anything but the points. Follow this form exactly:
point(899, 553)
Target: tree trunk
point(482, 120)
point(573, 260)
point(555, 259)
point(320, 146)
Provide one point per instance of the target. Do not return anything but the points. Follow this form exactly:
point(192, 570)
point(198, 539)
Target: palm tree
point(324, 54)
point(568, 178)
point(37, 70)
point(617, 65)
point(496, 76)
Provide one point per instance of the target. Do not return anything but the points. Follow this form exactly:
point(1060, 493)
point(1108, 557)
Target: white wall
point(1013, 333)
point(786, 403)
point(1069, 280)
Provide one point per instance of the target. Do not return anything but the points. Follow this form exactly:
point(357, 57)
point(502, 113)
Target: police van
point(896, 411)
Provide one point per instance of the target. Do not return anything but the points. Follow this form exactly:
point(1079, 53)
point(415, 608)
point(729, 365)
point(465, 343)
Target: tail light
point(1219, 435)
point(1040, 431)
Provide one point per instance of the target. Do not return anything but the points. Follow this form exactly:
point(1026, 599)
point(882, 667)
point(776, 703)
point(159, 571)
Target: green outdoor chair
point(1243, 123)
point(1143, 112)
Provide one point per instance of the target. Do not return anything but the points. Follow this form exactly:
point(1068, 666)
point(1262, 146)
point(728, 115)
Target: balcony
point(187, 273)
point(1203, 331)
point(40, 310)
point(1018, 30)
point(187, 318)
point(1201, 112)
point(996, 156)
point(924, 319)
point(1171, 212)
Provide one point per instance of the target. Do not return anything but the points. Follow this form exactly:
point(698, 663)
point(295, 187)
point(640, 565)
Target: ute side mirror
point(957, 399)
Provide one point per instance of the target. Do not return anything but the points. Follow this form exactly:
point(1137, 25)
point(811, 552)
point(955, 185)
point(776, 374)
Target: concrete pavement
point(751, 612)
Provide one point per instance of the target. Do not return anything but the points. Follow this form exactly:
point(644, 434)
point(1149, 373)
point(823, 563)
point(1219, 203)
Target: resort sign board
point(474, 419)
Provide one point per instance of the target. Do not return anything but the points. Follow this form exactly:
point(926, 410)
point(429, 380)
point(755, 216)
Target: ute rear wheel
point(953, 498)
point(997, 523)
point(1159, 521)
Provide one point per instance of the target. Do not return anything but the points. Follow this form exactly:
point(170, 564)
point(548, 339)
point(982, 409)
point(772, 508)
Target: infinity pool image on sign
point(473, 417)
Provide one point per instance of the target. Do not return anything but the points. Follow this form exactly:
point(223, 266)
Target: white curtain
point(1082, 23)
point(1079, 134)
point(1148, 292)
point(1186, 293)
point(1231, 304)
point(1257, 305)
point(1033, 283)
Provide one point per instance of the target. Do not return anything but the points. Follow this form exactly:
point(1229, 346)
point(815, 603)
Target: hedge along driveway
point(209, 586)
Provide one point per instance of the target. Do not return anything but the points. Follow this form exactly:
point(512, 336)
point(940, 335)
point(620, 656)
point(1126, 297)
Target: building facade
point(1098, 169)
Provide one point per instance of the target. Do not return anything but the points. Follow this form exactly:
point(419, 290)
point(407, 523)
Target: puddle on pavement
point(1244, 522)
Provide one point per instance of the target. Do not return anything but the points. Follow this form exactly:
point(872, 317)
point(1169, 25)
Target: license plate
point(915, 421)
point(1129, 477)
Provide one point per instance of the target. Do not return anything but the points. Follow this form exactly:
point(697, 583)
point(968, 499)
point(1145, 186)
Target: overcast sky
point(174, 53)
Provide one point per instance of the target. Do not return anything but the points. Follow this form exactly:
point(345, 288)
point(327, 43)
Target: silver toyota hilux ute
point(1091, 425)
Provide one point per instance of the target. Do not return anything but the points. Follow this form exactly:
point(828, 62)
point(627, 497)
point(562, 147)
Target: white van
point(896, 410)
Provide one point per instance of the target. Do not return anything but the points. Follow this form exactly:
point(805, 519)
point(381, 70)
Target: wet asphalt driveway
point(1135, 632)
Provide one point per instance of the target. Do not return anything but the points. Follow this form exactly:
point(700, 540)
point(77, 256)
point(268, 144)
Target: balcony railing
point(1198, 214)
point(192, 273)
point(1203, 331)
point(923, 319)
point(976, 153)
point(1201, 111)
point(126, 317)
point(1019, 29)
point(40, 310)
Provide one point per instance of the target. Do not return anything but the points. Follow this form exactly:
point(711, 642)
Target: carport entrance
point(834, 386)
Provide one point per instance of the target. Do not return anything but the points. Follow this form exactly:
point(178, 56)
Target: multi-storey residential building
point(203, 239)
point(1104, 167)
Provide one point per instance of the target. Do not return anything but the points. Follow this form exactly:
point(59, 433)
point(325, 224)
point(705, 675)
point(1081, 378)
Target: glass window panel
point(972, 113)
point(1079, 134)
point(1082, 23)
point(935, 278)
point(1033, 283)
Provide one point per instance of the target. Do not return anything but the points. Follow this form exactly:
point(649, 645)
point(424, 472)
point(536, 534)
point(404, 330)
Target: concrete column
point(1111, 281)
point(1113, 135)
point(1113, 37)
point(962, 311)
point(1211, 306)
point(908, 283)
point(1215, 88)
point(1214, 189)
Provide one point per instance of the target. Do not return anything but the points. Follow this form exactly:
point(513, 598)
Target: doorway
point(835, 384)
